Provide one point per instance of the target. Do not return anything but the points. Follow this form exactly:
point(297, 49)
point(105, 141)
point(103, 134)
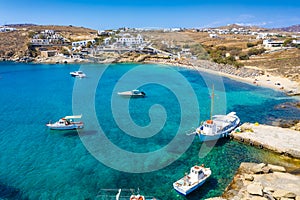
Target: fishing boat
point(218, 126)
point(78, 74)
point(132, 93)
point(66, 123)
point(190, 182)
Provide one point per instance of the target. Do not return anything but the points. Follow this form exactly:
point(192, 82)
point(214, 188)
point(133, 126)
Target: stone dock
point(280, 140)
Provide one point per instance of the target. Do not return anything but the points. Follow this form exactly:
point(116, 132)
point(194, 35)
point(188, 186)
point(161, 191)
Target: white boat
point(218, 126)
point(78, 74)
point(190, 182)
point(66, 123)
point(132, 93)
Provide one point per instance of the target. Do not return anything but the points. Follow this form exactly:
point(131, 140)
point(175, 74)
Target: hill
point(16, 43)
point(294, 28)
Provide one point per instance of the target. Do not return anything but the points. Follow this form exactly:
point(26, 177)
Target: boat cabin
point(63, 121)
point(196, 173)
point(209, 127)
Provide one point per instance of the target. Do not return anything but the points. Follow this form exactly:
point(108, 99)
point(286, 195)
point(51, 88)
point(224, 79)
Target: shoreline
point(282, 84)
point(290, 88)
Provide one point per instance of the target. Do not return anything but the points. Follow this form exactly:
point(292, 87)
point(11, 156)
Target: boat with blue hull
point(190, 182)
point(219, 126)
point(66, 123)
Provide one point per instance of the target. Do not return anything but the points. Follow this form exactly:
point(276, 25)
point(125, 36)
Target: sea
point(138, 145)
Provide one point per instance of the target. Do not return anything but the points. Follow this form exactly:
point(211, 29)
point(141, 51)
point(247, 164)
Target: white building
point(106, 41)
point(272, 43)
point(296, 41)
point(213, 35)
point(7, 29)
point(128, 40)
point(82, 43)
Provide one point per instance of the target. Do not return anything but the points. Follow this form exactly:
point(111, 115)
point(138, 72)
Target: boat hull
point(186, 192)
point(68, 127)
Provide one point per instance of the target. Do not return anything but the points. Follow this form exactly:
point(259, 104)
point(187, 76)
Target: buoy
point(256, 123)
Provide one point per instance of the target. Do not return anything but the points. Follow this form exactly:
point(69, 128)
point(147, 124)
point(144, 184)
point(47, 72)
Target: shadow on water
point(8, 192)
point(203, 190)
point(219, 143)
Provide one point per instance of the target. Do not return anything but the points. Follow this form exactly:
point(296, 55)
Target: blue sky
point(99, 14)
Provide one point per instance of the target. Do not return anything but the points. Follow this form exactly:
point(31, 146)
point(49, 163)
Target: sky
point(110, 14)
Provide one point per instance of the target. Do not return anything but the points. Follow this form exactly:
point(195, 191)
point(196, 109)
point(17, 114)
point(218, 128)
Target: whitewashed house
point(82, 43)
point(128, 40)
point(7, 29)
point(296, 41)
point(213, 35)
point(271, 43)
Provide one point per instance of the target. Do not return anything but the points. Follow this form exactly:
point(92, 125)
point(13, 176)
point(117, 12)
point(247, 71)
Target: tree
point(249, 45)
point(288, 42)
point(244, 56)
point(89, 44)
point(65, 52)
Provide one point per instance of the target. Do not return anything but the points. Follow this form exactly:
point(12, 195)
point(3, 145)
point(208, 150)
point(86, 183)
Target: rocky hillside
point(16, 43)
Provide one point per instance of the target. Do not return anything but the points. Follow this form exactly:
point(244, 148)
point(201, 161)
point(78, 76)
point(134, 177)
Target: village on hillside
point(245, 48)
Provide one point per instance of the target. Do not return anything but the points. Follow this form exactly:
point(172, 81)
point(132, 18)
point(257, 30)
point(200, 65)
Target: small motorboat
point(132, 93)
point(190, 182)
point(78, 74)
point(66, 123)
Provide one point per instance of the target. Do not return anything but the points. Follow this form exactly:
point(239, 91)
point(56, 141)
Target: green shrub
point(249, 45)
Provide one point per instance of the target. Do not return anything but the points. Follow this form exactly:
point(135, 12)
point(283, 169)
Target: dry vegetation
point(15, 43)
point(284, 63)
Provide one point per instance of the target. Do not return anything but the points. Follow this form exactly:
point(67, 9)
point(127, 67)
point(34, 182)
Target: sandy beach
point(249, 75)
point(253, 77)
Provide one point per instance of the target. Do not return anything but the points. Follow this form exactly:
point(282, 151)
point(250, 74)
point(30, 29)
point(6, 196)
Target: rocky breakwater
point(262, 182)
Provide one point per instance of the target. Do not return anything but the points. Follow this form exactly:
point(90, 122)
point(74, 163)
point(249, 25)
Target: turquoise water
point(37, 163)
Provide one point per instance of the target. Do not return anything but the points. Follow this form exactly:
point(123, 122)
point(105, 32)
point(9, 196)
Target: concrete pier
point(280, 140)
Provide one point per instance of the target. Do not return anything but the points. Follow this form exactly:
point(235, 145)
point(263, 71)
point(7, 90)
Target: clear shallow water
point(37, 163)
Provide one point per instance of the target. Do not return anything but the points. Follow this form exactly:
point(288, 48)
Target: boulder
point(266, 169)
point(257, 169)
point(249, 177)
point(283, 193)
point(269, 197)
point(276, 168)
point(290, 195)
point(297, 198)
point(255, 189)
point(268, 190)
point(258, 198)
